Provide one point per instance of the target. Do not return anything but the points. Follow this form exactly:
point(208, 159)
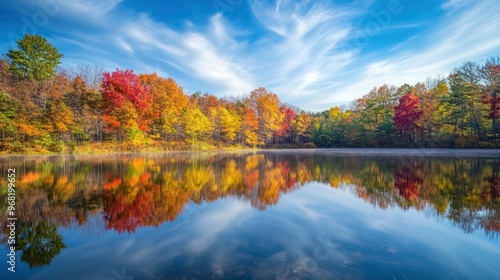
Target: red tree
point(126, 102)
point(407, 114)
point(286, 124)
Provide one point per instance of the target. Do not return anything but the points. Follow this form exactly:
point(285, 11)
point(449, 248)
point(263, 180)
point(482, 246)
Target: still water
point(259, 215)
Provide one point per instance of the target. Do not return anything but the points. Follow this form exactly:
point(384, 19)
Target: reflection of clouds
point(210, 225)
point(410, 233)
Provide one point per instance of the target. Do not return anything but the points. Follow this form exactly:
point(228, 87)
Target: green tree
point(35, 59)
point(39, 243)
point(8, 113)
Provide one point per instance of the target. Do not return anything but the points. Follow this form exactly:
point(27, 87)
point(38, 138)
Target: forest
point(48, 109)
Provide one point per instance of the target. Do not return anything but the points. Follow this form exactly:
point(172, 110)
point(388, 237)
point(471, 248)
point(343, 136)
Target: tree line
point(44, 108)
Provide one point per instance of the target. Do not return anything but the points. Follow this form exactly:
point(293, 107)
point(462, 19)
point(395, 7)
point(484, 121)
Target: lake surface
point(323, 214)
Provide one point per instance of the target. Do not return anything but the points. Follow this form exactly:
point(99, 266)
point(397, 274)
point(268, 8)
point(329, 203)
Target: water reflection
point(131, 192)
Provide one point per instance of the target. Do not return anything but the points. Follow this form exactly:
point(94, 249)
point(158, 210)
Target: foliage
point(126, 102)
point(39, 243)
point(35, 59)
point(407, 114)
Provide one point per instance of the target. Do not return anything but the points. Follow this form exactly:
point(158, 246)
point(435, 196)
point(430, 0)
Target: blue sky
point(313, 54)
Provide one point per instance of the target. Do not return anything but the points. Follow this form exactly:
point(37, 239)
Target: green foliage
point(8, 113)
point(35, 59)
point(136, 137)
point(58, 147)
point(309, 145)
point(39, 243)
point(44, 140)
point(471, 141)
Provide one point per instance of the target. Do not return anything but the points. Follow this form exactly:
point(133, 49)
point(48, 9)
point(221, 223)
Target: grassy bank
point(119, 147)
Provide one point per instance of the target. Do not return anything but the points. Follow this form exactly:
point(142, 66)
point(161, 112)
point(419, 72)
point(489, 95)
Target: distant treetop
point(35, 59)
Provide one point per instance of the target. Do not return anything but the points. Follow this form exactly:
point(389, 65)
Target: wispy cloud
point(305, 55)
point(92, 8)
point(124, 45)
point(454, 4)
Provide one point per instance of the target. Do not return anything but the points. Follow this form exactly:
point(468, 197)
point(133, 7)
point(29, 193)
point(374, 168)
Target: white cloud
point(454, 4)
point(124, 45)
point(90, 8)
point(210, 225)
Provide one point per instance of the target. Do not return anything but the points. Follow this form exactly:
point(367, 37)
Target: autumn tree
point(302, 127)
point(84, 100)
point(196, 124)
point(435, 115)
point(58, 118)
point(126, 103)
point(267, 108)
point(210, 106)
point(490, 73)
point(169, 103)
point(6, 76)
point(250, 126)
point(230, 123)
point(285, 130)
point(406, 116)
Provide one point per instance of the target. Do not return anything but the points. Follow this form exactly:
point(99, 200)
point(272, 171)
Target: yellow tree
point(230, 123)
point(250, 126)
point(59, 117)
point(301, 126)
point(169, 101)
point(196, 124)
point(210, 106)
point(267, 109)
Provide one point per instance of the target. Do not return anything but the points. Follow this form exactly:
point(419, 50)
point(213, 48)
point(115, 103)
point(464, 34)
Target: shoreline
point(421, 152)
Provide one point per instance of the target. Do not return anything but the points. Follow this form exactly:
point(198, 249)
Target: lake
point(315, 214)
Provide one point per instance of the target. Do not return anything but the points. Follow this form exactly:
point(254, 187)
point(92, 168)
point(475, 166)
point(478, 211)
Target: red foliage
point(251, 179)
point(285, 127)
point(121, 86)
point(494, 102)
point(114, 184)
point(286, 172)
point(125, 216)
point(407, 114)
point(407, 183)
point(493, 192)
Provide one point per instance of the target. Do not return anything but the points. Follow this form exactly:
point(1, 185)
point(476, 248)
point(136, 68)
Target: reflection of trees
point(408, 183)
point(39, 243)
point(134, 192)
